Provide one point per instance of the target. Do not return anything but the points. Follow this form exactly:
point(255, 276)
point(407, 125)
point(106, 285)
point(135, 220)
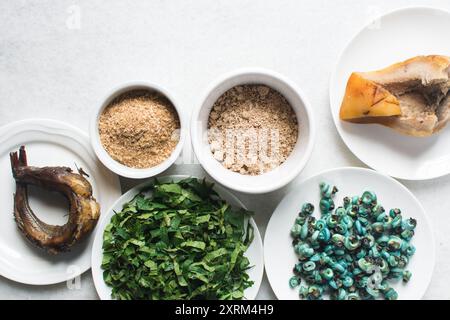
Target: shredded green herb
point(181, 242)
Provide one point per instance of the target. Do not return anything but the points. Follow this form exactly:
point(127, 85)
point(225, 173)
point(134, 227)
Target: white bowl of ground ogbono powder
point(261, 111)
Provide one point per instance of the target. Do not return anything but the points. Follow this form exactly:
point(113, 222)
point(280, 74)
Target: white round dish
point(392, 38)
point(279, 254)
point(254, 252)
point(48, 143)
point(281, 175)
point(114, 165)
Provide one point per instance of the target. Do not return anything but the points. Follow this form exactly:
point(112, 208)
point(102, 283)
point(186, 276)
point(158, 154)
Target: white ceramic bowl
point(114, 165)
point(281, 175)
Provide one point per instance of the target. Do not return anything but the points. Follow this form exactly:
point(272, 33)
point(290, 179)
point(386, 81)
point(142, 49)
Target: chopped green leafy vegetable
point(182, 242)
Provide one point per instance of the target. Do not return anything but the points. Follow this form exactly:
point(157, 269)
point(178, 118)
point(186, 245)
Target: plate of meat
point(54, 190)
point(390, 94)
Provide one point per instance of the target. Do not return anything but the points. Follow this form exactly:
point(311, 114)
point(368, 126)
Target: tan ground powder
point(139, 129)
point(252, 129)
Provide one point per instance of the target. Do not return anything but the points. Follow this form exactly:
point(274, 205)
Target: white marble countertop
point(59, 58)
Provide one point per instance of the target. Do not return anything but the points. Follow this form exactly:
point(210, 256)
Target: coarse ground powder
point(252, 129)
point(139, 128)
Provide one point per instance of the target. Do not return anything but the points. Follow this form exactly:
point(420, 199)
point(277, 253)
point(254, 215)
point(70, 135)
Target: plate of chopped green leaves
point(177, 238)
point(349, 234)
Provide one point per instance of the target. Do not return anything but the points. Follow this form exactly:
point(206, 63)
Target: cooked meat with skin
point(411, 97)
point(83, 213)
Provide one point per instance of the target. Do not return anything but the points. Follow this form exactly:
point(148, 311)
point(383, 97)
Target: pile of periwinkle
point(352, 251)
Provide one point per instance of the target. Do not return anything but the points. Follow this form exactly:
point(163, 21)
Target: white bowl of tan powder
point(253, 132)
point(138, 131)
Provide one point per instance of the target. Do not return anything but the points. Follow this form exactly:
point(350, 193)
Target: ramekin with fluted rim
point(117, 167)
point(279, 176)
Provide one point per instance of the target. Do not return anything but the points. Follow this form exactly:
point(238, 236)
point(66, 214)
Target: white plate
point(48, 143)
point(254, 253)
point(279, 253)
point(392, 38)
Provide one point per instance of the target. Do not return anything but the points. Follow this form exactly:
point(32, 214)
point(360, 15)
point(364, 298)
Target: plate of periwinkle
point(349, 234)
